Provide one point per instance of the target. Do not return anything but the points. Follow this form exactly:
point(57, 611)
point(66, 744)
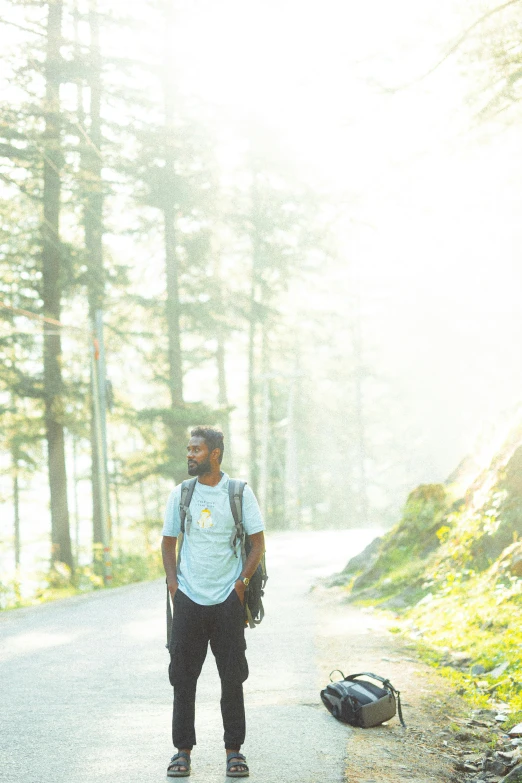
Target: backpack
point(254, 610)
point(362, 703)
point(256, 588)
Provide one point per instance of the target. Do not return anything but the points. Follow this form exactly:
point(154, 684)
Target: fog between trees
point(278, 241)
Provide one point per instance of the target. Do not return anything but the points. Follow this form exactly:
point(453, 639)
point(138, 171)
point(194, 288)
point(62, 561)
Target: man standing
point(208, 593)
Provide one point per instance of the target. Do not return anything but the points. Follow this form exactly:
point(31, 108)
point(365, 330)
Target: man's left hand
point(240, 589)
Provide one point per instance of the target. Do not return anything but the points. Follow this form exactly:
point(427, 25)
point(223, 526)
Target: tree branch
point(455, 46)
point(20, 187)
point(25, 29)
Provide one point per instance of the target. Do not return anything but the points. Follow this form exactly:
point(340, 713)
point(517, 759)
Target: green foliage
point(400, 562)
point(57, 583)
point(134, 567)
point(469, 585)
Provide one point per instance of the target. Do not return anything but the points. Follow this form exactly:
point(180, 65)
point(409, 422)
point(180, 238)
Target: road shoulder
point(431, 747)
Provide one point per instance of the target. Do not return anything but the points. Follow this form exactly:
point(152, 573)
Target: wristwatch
point(245, 580)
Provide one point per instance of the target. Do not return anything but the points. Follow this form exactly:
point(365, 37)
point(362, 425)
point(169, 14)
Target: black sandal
point(177, 768)
point(239, 761)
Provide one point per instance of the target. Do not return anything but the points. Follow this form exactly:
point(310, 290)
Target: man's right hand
point(168, 551)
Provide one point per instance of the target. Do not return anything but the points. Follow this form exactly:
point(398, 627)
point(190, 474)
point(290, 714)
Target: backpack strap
point(236, 489)
point(387, 684)
point(169, 618)
point(187, 490)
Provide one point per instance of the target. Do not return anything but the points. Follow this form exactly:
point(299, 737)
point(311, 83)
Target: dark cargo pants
point(193, 627)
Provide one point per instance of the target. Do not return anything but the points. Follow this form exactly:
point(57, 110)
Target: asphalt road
point(85, 697)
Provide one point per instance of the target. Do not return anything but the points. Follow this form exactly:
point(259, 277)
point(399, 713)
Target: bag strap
point(169, 618)
point(387, 684)
point(236, 489)
point(369, 674)
point(187, 490)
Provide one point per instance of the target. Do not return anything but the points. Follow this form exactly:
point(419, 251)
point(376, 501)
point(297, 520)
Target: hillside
point(451, 571)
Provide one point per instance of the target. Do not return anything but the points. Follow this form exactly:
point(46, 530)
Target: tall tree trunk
point(172, 308)
point(76, 502)
point(360, 419)
point(92, 172)
point(264, 450)
point(172, 305)
point(116, 495)
point(252, 329)
point(176, 434)
point(223, 395)
point(52, 291)
point(252, 417)
point(221, 339)
point(93, 200)
point(91, 162)
point(16, 504)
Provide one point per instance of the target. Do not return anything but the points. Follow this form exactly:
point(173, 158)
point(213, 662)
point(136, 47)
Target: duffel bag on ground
point(362, 703)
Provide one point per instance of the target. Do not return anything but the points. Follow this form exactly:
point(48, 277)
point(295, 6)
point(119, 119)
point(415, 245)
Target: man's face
point(198, 457)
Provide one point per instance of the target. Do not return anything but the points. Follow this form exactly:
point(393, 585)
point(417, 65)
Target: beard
point(201, 469)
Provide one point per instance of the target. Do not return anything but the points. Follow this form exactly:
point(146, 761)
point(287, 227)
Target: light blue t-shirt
point(209, 567)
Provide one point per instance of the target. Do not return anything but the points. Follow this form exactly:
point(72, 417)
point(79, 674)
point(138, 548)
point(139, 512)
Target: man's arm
point(257, 541)
point(168, 552)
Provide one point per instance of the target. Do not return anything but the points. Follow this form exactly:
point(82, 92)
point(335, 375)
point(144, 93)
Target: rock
point(473, 758)
point(495, 766)
point(516, 564)
point(363, 560)
point(513, 474)
point(498, 670)
point(484, 714)
point(338, 580)
point(428, 598)
point(516, 731)
point(511, 559)
point(460, 658)
point(463, 736)
point(506, 756)
point(515, 776)
point(477, 669)
point(466, 767)
point(396, 603)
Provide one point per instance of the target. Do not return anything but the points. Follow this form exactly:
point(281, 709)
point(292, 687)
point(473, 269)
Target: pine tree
point(52, 286)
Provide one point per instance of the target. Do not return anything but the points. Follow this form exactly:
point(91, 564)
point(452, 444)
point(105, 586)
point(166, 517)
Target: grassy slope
point(451, 569)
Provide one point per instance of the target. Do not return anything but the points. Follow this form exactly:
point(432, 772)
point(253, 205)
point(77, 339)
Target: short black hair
point(212, 436)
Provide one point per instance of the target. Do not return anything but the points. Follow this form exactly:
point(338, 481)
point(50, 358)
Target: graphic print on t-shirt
point(205, 519)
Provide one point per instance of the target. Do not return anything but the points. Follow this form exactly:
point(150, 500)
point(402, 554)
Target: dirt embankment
point(442, 740)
